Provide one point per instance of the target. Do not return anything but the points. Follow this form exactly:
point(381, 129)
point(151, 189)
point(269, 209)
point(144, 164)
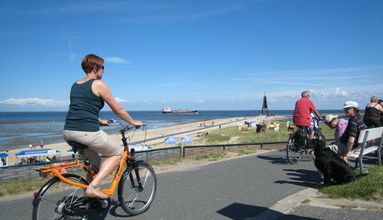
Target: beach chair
point(186, 140)
point(276, 127)
point(170, 140)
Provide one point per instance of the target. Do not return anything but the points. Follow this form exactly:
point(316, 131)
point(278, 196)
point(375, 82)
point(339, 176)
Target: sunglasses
point(102, 67)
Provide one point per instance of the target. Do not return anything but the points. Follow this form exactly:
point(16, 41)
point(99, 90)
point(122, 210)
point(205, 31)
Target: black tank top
point(372, 117)
point(372, 112)
point(84, 108)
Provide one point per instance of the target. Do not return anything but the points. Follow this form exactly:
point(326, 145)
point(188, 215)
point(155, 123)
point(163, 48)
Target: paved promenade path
point(230, 189)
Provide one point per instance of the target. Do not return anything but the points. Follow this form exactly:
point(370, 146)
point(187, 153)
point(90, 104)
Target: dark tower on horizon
point(265, 109)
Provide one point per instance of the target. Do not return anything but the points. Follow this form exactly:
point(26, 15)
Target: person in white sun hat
point(349, 139)
point(339, 124)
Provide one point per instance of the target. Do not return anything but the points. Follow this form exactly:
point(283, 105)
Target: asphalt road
point(230, 189)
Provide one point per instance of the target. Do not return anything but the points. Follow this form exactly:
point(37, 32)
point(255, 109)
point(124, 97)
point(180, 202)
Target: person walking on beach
point(302, 112)
point(82, 125)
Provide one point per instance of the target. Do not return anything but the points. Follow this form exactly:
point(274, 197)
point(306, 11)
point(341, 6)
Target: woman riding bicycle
point(82, 123)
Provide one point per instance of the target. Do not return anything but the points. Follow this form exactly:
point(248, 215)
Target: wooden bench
point(365, 137)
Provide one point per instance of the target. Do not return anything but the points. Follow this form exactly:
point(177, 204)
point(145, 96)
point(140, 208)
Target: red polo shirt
point(303, 108)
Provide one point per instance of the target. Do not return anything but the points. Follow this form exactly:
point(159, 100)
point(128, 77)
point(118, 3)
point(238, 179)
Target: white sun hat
point(350, 104)
point(329, 118)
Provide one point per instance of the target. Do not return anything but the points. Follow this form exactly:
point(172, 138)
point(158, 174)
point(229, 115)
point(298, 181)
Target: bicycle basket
point(300, 137)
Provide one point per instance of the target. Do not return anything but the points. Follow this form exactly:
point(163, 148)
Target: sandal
point(95, 192)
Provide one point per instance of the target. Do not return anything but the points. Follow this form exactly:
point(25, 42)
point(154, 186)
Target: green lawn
point(234, 136)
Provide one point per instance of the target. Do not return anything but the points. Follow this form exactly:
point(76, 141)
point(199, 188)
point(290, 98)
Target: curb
point(353, 204)
point(312, 197)
point(285, 205)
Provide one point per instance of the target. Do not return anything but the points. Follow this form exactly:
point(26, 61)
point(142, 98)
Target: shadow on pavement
point(114, 210)
point(275, 159)
point(239, 211)
point(278, 159)
point(98, 215)
point(302, 177)
point(117, 211)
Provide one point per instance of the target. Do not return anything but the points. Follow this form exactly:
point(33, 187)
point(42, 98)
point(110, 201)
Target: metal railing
point(179, 152)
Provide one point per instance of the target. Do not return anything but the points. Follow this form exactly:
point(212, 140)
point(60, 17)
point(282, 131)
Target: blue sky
point(200, 54)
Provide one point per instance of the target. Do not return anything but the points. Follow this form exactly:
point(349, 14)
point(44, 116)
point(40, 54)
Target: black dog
point(334, 169)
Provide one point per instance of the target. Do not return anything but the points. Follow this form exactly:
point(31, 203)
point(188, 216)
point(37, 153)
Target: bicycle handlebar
point(318, 119)
point(130, 127)
point(126, 127)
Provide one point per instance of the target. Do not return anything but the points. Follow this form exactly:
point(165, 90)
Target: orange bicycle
point(63, 196)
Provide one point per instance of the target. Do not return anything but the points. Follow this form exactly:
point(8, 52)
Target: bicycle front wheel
point(293, 151)
point(137, 188)
point(55, 198)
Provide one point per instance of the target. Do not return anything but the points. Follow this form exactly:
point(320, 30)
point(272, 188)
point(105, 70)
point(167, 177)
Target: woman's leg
point(106, 168)
point(94, 159)
point(102, 143)
point(105, 145)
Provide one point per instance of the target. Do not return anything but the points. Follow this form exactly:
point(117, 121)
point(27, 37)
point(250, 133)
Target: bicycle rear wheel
point(137, 188)
point(55, 197)
point(293, 151)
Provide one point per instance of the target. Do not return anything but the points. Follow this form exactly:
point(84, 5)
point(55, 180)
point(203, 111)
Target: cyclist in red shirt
point(302, 112)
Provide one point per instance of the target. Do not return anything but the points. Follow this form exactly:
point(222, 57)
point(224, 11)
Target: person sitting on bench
point(349, 139)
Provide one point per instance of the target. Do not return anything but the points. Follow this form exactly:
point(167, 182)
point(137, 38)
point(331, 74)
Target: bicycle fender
point(46, 186)
point(42, 190)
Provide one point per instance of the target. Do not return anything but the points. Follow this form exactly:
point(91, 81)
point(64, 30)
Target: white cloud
point(325, 77)
point(199, 100)
point(120, 100)
point(340, 92)
point(34, 101)
point(116, 60)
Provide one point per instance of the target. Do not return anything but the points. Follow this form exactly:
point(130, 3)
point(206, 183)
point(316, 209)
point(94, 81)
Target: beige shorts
point(98, 142)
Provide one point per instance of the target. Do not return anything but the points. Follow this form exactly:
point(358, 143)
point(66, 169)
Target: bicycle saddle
point(77, 145)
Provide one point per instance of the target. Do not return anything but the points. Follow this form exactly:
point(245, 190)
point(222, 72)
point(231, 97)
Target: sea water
point(20, 129)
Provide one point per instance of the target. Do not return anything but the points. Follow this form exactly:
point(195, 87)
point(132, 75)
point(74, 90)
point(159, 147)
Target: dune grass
point(233, 135)
point(21, 186)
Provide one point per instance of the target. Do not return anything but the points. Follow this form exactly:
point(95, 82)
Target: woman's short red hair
point(91, 62)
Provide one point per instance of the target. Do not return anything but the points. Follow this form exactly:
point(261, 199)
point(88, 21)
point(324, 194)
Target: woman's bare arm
point(102, 90)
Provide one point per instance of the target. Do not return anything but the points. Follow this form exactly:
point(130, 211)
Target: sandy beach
point(156, 137)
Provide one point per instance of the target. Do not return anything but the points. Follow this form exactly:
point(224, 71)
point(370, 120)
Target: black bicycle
point(297, 145)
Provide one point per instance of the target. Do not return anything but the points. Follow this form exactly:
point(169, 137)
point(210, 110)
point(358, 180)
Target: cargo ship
point(168, 110)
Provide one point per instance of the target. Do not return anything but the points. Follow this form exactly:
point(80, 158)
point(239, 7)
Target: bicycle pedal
point(97, 204)
point(104, 203)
